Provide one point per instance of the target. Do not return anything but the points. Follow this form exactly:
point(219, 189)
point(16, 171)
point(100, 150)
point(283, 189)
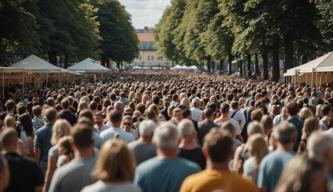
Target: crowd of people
point(164, 132)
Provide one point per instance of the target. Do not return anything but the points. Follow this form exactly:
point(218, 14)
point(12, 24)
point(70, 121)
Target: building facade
point(148, 56)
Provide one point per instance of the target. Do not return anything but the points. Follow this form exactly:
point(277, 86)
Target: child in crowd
point(65, 151)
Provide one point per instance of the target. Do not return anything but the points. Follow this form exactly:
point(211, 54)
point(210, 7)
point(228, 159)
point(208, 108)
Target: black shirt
point(69, 116)
point(195, 155)
point(204, 128)
point(25, 174)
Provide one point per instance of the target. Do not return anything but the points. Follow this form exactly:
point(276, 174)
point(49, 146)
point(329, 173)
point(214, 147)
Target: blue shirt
point(43, 140)
point(299, 126)
point(163, 175)
point(271, 168)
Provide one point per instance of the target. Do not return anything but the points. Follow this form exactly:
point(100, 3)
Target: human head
point(254, 127)
point(82, 135)
point(60, 129)
point(115, 117)
point(230, 128)
point(225, 108)
point(4, 173)
point(256, 115)
point(305, 113)
point(209, 114)
point(8, 139)
point(9, 121)
point(127, 123)
point(292, 108)
point(177, 113)
point(65, 104)
point(320, 147)
point(64, 145)
point(311, 124)
point(303, 174)
point(285, 133)
point(50, 115)
point(257, 147)
point(37, 110)
point(115, 162)
point(99, 118)
point(166, 137)
point(219, 146)
point(186, 129)
point(146, 128)
point(267, 123)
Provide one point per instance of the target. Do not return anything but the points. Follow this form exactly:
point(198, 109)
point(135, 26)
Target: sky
point(145, 12)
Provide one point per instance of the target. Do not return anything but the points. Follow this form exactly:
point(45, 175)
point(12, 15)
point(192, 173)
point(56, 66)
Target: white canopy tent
point(315, 72)
point(321, 64)
point(38, 65)
point(184, 68)
point(88, 66)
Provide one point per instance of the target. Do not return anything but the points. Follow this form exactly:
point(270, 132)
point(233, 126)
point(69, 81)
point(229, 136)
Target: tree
point(18, 28)
point(119, 40)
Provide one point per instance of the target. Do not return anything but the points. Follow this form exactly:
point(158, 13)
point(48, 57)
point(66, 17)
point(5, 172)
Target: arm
point(51, 167)
point(20, 147)
point(37, 145)
point(30, 144)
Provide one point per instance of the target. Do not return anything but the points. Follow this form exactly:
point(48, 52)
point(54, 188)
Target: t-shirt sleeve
point(37, 141)
point(39, 177)
point(262, 178)
point(55, 183)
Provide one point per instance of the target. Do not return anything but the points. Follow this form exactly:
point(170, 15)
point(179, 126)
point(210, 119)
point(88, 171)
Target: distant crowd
point(165, 132)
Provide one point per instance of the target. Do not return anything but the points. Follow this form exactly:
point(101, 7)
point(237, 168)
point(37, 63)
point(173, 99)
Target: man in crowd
point(42, 142)
point(320, 148)
point(143, 148)
point(165, 172)
point(115, 130)
point(66, 112)
point(292, 109)
point(25, 174)
point(206, 125)
point(99, 123)
point(196, 112)
point(4, 174)
point(237, 115)
point(217, 176)
point(77, 174)
point(272, 164)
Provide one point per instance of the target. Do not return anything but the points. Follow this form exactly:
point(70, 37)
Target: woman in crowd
point(114, 169)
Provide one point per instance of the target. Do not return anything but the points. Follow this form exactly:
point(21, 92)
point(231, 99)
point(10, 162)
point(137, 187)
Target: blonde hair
point(267, 123)
point(9, 121)
point(254, 127)
point(310, 125)
point(305, 113)
point(115, 162)
point(82, 105)
point(257, 147)
point(60, 129)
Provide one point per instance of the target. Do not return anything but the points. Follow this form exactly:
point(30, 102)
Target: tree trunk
point(221, 66)
point(118, 65)
point(276, 60)
point(240, 65)
point(103, 61)
point(265, 61)
point(256, 65)
point(66, 61)
point(288, 52)
point(249, 71)
point(209, 65)
point(230, 63)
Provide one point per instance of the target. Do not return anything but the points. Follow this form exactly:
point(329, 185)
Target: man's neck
point(187, 144)
point(11, 149)
point(145, 140)
point(217, 166)
point(84, 153)
point(284, 148)
point(115, 125)
point(167, 154)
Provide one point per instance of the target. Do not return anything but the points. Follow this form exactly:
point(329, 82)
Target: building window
point(148, 58)
point(152, 58)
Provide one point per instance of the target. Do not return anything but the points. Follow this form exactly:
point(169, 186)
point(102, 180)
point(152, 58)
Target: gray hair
point(186, 128)
point(147, 127)
point(195, 102)
point(254, 127)
point(166, 136)
point(318, 143)
point(286, 132)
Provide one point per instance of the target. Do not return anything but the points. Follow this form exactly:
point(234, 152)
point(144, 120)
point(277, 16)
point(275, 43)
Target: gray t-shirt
point(250, 169)
point(73, 176)
point(54, 151)
point(142, 151)
point(101, 186)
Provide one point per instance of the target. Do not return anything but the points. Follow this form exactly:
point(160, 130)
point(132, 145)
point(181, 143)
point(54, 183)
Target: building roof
point(146, 37)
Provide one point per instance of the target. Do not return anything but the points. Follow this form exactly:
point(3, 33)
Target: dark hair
point(115, 116)
point(186, 113)
point(8, 137)
point(208, 112)
point(218, 144)
point(225, 108)
point(37, 110)
point(326, 109)
point(65, 104)
point(10, 105)
point(26, 124)
point(87, 113)
point(82, 135)
point(292, 108)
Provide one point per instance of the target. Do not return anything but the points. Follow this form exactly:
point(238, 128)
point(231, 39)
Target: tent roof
point(36, 64)
point(88, 65)
point(321, 64)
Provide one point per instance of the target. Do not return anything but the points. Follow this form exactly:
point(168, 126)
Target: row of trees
point(66, 31)
point(256, 33)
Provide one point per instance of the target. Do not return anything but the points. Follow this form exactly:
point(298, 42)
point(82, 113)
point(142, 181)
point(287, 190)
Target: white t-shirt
point(196, 114)
point(112, 132)
point(238, 117)
point(101, 186)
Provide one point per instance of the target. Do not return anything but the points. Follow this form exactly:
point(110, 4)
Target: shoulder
point(189, 164)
